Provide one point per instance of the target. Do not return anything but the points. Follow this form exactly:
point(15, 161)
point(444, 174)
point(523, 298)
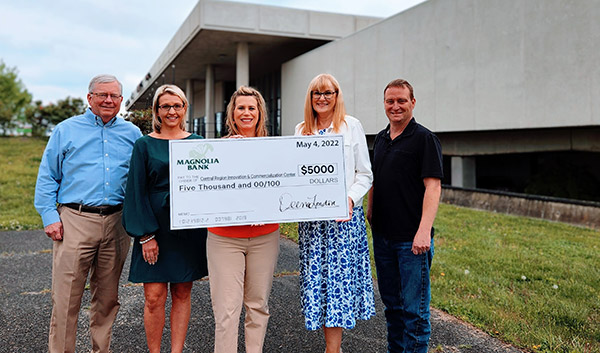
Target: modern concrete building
point(510, 87)
point(222, 45)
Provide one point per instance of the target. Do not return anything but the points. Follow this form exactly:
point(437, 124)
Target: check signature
point(286, 202)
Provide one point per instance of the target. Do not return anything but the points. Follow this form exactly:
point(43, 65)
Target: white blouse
point(359, 176)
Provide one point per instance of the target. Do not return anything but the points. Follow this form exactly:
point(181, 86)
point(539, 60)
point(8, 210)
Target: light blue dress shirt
point(85, 162)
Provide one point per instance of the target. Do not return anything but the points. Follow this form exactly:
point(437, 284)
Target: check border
point(324, 199)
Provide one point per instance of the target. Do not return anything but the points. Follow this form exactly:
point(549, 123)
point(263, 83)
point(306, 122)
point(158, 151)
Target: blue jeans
point(405, 291)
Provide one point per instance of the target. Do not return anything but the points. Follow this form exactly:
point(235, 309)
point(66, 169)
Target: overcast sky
point(58, 46)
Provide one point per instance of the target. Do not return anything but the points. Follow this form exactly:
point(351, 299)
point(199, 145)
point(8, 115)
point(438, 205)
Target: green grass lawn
point(19, 160)
point(533, 283)
point(529, 282)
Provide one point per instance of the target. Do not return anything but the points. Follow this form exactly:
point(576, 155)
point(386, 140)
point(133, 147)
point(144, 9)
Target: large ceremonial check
point(256, 180)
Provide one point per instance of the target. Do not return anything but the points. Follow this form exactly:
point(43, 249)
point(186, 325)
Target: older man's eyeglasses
point(327, 94)
point(103, 96)
point(166, 107)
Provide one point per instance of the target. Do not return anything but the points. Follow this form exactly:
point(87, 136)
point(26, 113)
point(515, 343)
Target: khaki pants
point(241, 270)
point(92, 244)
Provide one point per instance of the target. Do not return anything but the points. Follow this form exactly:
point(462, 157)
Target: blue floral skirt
point(335, 272)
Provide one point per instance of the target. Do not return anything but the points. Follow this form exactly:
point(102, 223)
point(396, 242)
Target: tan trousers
point(241, 270)
point(91, 244)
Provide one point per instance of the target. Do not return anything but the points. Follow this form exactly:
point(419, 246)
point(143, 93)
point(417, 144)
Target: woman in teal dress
point(162, 259)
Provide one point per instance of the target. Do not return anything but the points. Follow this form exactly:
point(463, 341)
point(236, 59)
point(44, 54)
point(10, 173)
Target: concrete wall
point(586, 214)
point(476, 65)
point(521, 141)
point(242, 17)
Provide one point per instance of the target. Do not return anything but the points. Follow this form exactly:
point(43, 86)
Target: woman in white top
point(335, 269)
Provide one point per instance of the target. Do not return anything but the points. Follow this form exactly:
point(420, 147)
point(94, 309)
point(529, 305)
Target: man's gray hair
point(104, 78)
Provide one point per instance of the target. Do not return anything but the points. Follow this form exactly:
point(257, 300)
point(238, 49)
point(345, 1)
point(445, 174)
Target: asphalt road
point(25, 306)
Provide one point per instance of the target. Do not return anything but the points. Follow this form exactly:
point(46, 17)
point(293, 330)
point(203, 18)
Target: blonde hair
point(161, 91)
point(261, 125)
point(320, 83)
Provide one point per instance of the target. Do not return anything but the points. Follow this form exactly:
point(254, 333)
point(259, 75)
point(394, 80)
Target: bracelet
point(147, 239)
point(144, 237)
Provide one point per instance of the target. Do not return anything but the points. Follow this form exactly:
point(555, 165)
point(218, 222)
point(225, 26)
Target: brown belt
point(101, 210)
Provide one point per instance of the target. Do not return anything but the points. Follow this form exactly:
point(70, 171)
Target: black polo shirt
point(399, 167)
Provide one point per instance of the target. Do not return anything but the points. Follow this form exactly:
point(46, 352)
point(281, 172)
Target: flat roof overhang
point(211, 32)
point(219, 48)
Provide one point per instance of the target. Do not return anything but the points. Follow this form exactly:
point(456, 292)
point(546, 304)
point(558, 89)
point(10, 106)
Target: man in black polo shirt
point(403, 202)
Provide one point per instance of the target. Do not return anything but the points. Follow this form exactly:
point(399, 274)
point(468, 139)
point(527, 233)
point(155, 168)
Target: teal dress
point(181, 253)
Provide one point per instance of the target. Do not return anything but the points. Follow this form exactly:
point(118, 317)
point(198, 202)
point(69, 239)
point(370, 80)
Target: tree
point(141, 119)
point(42, 117)
point(14, 98)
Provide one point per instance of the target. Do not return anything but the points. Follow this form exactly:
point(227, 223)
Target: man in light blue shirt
point(79, 194)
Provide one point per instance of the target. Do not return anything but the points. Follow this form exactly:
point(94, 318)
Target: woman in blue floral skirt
point(336, 281)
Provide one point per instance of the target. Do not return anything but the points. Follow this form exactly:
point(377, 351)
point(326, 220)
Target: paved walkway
point(25, 282)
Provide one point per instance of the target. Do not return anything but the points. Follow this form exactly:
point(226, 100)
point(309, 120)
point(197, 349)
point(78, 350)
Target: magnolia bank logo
point(198, 158)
